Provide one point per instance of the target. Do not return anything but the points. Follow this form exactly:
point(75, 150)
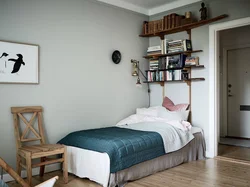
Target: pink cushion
point(168, 104)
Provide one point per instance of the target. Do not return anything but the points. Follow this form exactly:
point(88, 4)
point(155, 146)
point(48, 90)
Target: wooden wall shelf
point(169, 69)
point(187, 27)
point(171, 54)
point(188, 80)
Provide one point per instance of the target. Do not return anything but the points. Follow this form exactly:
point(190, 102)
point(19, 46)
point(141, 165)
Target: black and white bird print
point(18, 63)
point(4, 55)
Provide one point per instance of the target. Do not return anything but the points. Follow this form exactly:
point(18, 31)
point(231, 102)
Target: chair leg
point(43, 159)
point(29, 169)
point(65, 165)
point(18, 164)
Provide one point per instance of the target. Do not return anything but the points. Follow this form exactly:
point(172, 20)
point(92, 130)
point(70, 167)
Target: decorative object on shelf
point(18, 63)
point(188, 14)
point(203, 11)
point(116, 57)
point(191, 61)
point(187, 45)
point(185, 75)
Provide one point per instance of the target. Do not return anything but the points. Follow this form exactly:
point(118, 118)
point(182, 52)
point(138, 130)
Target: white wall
point(200, 40)
point(230, 38)
point(80, 87)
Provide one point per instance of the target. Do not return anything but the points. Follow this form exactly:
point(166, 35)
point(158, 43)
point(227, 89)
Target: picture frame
point(19, 63)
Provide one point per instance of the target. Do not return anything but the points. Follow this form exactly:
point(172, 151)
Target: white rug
point(235, 142)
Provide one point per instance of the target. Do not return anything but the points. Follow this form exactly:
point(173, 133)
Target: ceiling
point(149, 7)
point(148, 3)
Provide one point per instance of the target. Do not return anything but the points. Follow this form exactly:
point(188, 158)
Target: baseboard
point(35, 171)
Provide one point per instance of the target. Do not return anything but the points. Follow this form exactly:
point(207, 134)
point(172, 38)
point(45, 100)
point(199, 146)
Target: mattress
point(125, 147)
point(96, 166)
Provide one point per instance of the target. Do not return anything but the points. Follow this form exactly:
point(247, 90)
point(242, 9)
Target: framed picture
point(18, 63)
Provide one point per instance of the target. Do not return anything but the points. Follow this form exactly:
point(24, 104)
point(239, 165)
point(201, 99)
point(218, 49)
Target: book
point(173, 18)
point(154, 48)
point(169, 22)
point(145, 27)
point(165, 20)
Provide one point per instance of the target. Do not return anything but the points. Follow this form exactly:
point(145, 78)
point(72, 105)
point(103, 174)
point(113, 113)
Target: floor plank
point(206, 173)
point(235, 152)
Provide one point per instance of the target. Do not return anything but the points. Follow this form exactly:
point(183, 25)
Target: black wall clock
point(116, 57)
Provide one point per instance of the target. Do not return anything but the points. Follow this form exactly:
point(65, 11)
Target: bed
point(137, 146)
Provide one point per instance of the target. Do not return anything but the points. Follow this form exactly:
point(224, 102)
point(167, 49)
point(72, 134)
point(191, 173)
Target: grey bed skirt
point(194, 150)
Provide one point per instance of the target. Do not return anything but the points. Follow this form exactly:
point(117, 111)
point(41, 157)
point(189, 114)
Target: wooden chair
point(11, 172)
point(40, 150)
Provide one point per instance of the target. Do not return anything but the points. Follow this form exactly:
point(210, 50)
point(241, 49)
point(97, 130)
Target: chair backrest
point(18, 115)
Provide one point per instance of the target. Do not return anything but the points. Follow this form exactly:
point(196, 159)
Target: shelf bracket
point(162, 84)
point(189, 34)
point(188, 82)
point(162, 37)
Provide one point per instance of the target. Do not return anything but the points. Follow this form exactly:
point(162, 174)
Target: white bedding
point(174, 135)
point(96, 166)
point(93, 165)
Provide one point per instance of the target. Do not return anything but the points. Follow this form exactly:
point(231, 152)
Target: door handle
point(230, 95)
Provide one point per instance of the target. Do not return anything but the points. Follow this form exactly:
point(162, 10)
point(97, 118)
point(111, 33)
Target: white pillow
point(174, 115)
point(151, 111)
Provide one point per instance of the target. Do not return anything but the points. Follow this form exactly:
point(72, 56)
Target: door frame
point(225, 83)
point(214, 100)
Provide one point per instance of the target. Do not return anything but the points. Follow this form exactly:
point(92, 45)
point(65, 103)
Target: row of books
point(172, 21)
point(169, 46)
point(176, 61)
point(150, 27)
point(173, 75)
point(168, 22)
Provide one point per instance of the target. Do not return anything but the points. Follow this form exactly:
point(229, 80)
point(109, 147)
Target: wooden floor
point(207, 173)
point(235, 152)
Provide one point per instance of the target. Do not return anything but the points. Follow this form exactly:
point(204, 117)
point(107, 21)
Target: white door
point(238, 92)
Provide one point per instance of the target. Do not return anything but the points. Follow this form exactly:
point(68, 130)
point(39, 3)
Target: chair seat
point(41, 148)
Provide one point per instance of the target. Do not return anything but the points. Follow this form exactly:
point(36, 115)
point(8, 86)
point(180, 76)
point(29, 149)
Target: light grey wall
point(80, 87)
point(230, 38)
point(200, 40)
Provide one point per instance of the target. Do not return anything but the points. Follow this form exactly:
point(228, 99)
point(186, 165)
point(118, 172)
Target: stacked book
point(175, 46)
point(153, 64)
point(179, 46)
point(154, 50)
